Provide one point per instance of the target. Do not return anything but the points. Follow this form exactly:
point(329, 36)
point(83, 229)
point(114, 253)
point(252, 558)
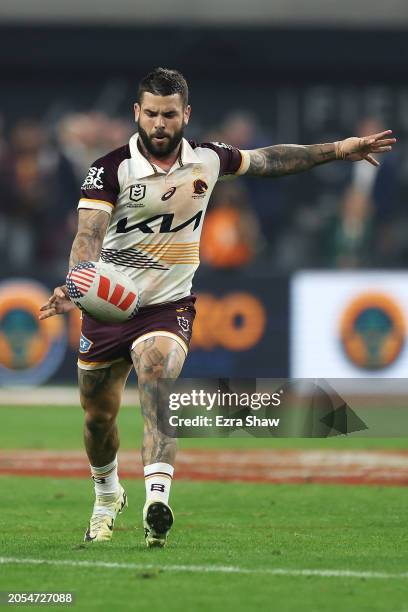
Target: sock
point(106, 478)
point(158, 477)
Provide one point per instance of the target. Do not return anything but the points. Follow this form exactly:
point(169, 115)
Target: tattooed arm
point(288, 159)
point(92, 226)
point(279, 160)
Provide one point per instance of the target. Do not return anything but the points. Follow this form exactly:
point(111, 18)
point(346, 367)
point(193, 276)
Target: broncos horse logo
point(200, 186)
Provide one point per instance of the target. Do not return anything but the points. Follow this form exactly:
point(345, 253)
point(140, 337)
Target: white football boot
point(105, 511)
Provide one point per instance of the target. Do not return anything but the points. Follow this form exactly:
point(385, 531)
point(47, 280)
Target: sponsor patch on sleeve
point(94, 178)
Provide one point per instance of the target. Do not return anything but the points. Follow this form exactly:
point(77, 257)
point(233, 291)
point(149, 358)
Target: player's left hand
point(357, 149)
point(58, 303)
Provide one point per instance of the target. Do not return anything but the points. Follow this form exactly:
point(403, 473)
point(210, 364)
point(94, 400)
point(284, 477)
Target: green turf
point(243, 525)
point(250, 526)
point(60, 427)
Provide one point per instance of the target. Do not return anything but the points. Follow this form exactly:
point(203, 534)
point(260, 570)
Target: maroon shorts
point(103, 343)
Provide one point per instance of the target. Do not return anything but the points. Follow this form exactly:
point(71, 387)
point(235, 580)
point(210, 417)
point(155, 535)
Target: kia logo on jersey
point(166, 225)
point(168, 194)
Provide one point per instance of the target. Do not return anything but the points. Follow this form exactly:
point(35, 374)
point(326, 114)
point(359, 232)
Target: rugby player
point(142, 208)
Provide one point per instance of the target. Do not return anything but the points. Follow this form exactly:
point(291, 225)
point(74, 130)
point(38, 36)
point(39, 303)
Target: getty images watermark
point(219, 401)
point(264, 408)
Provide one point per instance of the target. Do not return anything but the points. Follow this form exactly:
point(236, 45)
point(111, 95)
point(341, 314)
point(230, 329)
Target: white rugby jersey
point(157, 216)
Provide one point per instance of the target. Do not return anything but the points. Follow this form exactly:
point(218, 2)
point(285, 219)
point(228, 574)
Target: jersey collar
point(145, 168)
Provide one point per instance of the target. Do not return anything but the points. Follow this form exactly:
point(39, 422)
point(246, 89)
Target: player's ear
point(187, 113)
point(136, 108)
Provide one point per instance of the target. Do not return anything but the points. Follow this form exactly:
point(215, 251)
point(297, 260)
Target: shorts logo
point(199, 188)
point(184, 324)
point(136, 194)
point(84, 344)
point(168, 194)
point(94, 178)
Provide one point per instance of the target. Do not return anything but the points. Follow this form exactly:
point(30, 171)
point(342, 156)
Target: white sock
point(106, 478)
point(158, 477)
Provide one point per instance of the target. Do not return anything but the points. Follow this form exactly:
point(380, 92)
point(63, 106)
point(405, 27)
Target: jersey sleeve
point(100, 188)
point(232, 160)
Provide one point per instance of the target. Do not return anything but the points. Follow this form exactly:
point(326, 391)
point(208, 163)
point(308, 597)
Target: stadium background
point(302, 276)
point(69, 88)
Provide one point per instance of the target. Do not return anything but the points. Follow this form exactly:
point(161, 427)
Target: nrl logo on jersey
point(136, 194)
point(94, 178)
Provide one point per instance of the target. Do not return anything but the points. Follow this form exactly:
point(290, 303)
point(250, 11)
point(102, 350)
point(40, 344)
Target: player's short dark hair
point(164, 82)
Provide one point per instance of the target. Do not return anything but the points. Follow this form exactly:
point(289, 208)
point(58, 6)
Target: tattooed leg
point(155, 358)
point(100, 393)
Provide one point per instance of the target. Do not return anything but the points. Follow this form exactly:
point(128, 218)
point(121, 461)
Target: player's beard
point(169, 145)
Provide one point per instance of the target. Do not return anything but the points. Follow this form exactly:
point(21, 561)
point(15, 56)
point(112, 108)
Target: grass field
point(234, 546)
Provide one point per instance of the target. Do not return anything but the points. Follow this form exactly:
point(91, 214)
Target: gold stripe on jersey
point(169, 245)
point(96, 365)
point(174, 253)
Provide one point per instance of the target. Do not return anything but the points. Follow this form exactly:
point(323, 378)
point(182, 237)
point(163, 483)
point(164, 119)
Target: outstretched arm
point(279, 160)
point(92, 226)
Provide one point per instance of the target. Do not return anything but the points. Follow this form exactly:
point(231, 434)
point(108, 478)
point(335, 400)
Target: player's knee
point(151, 375)
point(93, 383)
point(162, 360)
point(98, 422)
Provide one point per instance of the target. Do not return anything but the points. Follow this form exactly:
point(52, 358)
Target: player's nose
point(160, 122)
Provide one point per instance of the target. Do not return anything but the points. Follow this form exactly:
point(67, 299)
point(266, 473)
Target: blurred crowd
point(282, 225)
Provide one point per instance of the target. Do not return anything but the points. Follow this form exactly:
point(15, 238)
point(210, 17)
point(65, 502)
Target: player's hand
point(58, 303)
point(356, 149)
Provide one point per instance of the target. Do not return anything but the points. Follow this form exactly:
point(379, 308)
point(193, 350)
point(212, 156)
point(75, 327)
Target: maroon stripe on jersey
point(102, 181)
point(230, 157)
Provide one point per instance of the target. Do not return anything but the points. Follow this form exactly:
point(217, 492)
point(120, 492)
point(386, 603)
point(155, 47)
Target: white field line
point(217, 569)
point(49, 395)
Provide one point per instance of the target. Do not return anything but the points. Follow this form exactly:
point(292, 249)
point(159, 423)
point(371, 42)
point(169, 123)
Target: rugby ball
point(103, 291)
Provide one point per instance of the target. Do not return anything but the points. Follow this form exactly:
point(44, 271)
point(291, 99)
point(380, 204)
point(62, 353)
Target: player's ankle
point(158, 479)
point(106, 478)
